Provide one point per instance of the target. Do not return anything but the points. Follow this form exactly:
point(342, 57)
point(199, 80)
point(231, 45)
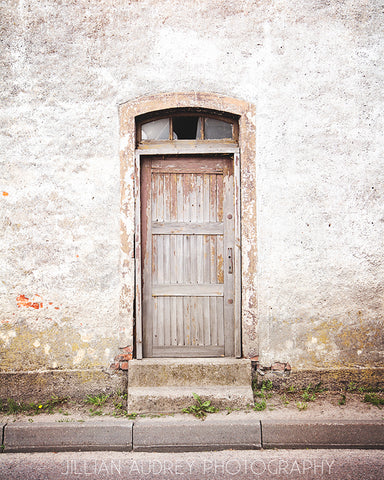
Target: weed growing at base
point(97, 401)
point(374, 399)
point(200, 409)
point(12, 407)
point(264, 393)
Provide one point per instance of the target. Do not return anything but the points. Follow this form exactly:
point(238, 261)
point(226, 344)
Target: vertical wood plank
point(160, 257)
point(213, 198)
point(155, 321)
point(237, 245)
point(199, 321)
point(193, 218)
point(180, 217)
point(154, 259)
point(213, 258)
point(193, 320)
point(146, 236)
point(199, 238)
point(167, 257)
point(213, 320)
point(219, 198)
point(220, 246)
point(229, 238)
point(220, 316)
point(186, 259)
point(186, 311)
point(173, 197)
point(166, 238)
point(220, 259)
point(180, 265)
point(173, 320)
point(173, 238)
point(138, 255)
point(207, 261)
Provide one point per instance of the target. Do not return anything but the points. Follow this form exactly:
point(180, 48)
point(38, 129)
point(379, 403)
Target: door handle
point(230, 261)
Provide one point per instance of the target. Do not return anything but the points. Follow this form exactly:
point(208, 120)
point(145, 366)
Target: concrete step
point(174, 399)
point(180, 372)
point(166, 385)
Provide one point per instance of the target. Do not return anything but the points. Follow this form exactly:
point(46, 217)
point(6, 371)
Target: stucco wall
point(312, 68)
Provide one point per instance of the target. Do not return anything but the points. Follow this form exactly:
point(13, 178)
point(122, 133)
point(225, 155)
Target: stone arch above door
point(245, 112)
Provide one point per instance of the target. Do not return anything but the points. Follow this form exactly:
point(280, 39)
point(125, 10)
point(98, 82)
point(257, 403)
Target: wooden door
point(187, 210)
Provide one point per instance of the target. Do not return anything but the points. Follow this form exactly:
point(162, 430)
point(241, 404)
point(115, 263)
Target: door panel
point(187, 231)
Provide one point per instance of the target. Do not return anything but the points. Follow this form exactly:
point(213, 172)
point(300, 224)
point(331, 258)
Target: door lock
point(230, 261)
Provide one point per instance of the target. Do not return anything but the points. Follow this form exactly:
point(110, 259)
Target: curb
point(186, 435)
point(175, 435)
point(59, 437)
point(323, 434)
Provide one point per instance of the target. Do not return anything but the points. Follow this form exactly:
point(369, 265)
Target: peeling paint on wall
point(23, 301)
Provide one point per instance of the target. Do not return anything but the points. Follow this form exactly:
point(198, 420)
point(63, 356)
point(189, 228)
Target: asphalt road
point(256, 464)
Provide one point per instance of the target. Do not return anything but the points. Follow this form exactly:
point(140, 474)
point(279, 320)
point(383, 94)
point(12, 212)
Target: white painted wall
point(313, 68)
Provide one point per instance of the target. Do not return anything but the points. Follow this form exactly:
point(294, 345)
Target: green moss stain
point(343, 343)
point(56, 347)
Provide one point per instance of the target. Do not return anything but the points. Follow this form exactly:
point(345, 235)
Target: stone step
point(180, 372)
point(174, 399)
point(166, 385)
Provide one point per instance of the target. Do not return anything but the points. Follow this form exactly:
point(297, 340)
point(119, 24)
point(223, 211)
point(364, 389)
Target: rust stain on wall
point(23, 301)
point(35, 302)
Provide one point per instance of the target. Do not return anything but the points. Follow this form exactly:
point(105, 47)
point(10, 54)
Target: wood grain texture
point(187, 233)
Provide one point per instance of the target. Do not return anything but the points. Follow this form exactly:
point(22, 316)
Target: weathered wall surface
point(312, 68)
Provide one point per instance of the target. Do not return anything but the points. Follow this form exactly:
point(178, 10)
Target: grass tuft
point(374, 399)
point(200, 408)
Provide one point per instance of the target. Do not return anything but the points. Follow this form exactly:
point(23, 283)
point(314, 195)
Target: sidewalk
point(239, 430)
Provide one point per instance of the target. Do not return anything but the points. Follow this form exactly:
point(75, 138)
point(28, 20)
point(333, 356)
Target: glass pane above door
point(155, 130)
point(217, 129)
point(188, 127)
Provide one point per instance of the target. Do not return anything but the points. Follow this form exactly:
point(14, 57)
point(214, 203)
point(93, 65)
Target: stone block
point(180, 372)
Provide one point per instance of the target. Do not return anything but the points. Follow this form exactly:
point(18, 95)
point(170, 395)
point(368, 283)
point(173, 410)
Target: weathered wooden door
point(187, 210)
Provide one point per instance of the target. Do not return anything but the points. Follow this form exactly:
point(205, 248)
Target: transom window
point(187, 125)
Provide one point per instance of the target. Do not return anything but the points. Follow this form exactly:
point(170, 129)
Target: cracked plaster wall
point(312, 68)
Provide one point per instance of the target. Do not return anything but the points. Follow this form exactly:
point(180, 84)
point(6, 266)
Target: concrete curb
point(189, 434)
point(323, 434)
point(60, 437)
point(186, 435)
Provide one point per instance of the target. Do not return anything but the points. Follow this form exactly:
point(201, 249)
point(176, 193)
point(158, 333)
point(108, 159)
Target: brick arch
point(246, 113)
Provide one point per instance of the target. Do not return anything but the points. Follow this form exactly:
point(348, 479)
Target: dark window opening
point(198, 125)
point(185, 128)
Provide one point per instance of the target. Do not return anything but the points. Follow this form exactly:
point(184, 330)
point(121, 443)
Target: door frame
point(207, 150)
point(129, 320)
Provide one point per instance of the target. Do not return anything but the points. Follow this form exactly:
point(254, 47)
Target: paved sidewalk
point(184, 433)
